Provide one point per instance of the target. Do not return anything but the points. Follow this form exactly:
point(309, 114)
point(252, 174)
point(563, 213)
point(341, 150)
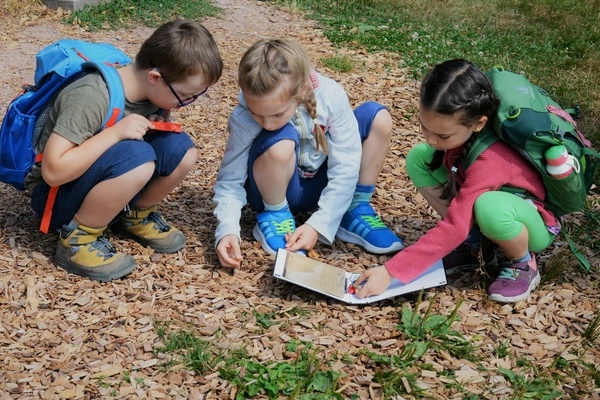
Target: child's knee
point(189, 159)
point(486, 207)
point(495, 217)
point(383, 124)
point(280, 153)
point(140, 175)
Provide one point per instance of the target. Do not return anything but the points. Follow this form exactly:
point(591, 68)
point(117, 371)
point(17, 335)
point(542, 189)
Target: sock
point(362, 193)
point(74, 224)
point(525, 258)
point(277, 207)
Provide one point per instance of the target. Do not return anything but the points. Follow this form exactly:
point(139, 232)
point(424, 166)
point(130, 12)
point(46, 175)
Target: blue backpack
point(57, 65)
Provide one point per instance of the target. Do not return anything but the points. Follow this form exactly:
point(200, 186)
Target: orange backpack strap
point(112, 118)
point(47, 216)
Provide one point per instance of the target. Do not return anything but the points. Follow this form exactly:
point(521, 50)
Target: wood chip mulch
point(65, 337)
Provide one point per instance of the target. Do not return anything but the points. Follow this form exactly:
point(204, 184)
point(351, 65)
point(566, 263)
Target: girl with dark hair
point(457, 102)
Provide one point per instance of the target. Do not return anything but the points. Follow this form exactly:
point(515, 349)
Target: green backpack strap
point(593, 158)
point(484, 139)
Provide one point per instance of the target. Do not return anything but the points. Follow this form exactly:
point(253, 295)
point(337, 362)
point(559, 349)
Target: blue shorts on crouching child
point(360, 224)
point(166, 149)
point(302, 193)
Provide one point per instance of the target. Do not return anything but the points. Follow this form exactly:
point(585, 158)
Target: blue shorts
point(302, 193)
point(166, 149)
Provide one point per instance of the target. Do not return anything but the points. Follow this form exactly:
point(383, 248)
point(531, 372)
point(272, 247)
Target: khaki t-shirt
point(77, 115)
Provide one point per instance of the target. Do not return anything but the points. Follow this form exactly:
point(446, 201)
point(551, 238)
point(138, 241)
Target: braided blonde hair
point(269, 63)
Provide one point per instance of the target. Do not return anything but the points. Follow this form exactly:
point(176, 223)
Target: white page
point(333, 281)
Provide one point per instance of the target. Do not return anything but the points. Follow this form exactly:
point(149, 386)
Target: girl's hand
point(133, 126)
point(303, 238)
point(229, 251)
point(376, 281)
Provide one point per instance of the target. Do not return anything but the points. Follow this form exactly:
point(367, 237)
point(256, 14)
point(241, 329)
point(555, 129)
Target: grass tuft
point(339, 63)
point(121, 13)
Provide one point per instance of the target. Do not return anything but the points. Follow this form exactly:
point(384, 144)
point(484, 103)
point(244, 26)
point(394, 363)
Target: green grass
point(305, 376)
point(532, 386)
point(307, 370)
point(121, 13)
point(554, 43)
point(339, 63)
point(435, 330)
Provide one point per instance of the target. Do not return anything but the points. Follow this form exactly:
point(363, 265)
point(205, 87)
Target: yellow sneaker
point(82, 251)
point(149, 228)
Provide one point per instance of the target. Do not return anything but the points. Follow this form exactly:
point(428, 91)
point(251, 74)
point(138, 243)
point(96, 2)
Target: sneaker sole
point(100, 274)
point(349, 237)
point(503, 299)
point(171, 248)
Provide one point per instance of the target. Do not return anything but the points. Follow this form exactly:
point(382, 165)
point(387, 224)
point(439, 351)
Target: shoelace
point(104, 248)
point(374, 221)
point(159, 222)
point(508, 273)
point(513, 271)
point(283, 227)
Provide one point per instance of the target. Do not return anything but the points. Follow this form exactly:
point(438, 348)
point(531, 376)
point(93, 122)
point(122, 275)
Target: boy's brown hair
point(180, 49)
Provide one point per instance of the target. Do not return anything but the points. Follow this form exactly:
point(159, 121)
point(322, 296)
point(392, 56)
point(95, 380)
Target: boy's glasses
point(184, 102)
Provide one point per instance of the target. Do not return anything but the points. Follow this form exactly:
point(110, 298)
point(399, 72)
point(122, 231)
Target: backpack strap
point(567, 117)
point(592, 156)
point(116, 93)
point(484, 139)
point(116, 109)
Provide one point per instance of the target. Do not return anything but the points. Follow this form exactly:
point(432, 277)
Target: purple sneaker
point(515, 281)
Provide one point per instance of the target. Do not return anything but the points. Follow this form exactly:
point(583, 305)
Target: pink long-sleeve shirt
point(499, 165)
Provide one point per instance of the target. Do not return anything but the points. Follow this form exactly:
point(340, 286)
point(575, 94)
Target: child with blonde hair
point(296, 145)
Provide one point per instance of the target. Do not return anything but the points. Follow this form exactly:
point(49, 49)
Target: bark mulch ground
point(64, 337)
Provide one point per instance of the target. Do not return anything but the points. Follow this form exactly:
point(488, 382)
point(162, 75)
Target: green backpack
point(530, 121)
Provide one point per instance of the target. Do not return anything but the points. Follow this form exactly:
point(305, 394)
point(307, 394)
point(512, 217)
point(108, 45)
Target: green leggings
point(499, 215)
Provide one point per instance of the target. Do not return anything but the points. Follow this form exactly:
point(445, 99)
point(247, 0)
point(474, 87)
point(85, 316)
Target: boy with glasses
point(187, 100)
point(118, 176)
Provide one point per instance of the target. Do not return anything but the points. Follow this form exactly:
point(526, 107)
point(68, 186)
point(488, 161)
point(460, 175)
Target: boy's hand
point(133, 126)
point(229, 251)
point(374, 281)
point(303, 238)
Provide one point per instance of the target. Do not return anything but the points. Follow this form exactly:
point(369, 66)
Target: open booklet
point(336, 282)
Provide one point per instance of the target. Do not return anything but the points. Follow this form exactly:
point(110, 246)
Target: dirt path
point(66, 337)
